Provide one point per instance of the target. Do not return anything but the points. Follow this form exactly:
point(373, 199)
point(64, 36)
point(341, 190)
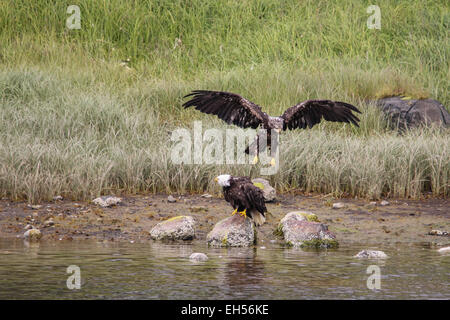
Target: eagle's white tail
point(258, 218)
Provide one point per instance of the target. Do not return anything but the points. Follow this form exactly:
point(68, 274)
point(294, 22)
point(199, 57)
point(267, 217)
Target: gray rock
point(57, 198)
point(371, 254)
point(171, 199)
point(197, 256)
point(302, 229)
point(33, 235)
point(234, 231)
point(49, 223)
point(176, 228)
point(338, 205)
point(206, 195)
point(107, 201)
point(269, 191)
point(438, 233)
point(408, 113)
point(384, 203)
point(35, 206)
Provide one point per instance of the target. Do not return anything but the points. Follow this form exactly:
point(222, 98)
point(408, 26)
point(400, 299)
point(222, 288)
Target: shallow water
point(163, 271)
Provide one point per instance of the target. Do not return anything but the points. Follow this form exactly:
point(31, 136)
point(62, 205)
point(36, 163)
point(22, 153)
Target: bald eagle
point(246, 198)
point(234, 109)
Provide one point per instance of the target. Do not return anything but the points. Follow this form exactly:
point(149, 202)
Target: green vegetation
point(77, 121)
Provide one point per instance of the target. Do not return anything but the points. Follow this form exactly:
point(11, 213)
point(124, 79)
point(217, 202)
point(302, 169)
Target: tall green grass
point(74, 120)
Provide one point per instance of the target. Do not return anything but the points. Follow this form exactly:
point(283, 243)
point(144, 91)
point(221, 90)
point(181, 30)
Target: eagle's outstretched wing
point(310, 112)
point(230, 107)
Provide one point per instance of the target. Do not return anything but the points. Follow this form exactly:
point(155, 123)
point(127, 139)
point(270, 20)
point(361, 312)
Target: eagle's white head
point(276, 123)
point(223, 180)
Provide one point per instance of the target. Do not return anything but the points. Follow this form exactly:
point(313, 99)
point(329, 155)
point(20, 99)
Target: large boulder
point(268, 191)
point(234, 231)
point(176, 228)
point(409, 113)
point(303, 229)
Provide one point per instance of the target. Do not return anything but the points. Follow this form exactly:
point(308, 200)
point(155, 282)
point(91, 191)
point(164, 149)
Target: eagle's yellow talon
point(273, 162)
point(255, 160)
point(234, 212)
point(243, 213)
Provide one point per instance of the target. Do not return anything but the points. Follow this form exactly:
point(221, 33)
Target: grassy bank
point(74, 121)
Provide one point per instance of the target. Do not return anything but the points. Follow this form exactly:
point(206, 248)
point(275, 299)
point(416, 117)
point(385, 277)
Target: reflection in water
point(242, 272)
point(111, 270)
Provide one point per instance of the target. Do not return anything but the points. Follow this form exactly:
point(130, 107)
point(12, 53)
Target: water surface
point(163, 271)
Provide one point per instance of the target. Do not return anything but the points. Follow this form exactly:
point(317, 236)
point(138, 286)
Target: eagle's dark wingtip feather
point(350, 106)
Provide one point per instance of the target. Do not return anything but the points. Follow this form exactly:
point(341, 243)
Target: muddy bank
point(358, 221)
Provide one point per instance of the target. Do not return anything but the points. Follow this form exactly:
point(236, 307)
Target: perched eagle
point(234, 109)
point(246, 198)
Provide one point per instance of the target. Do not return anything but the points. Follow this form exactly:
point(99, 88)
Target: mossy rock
point(269, 192)
point(303, 229)
point(176, 228)
point(33, 235)
point(309, 216)
point(234, 231)
point(315, 243)
point(259, 185)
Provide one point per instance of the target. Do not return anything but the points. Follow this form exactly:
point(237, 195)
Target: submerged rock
point(444, 250)
point(107, 201)
point(197, 256)
point(234, 231)
point(33, 235)
point(268, 191)
point(303, 229)
point(371, 254)
point(176, 228)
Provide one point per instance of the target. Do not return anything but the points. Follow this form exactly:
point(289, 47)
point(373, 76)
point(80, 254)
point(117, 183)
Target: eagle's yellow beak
point(216, 179)
point(277, 130)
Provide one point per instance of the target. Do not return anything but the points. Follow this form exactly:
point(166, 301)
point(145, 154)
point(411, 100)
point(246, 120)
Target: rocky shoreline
point(134, 218)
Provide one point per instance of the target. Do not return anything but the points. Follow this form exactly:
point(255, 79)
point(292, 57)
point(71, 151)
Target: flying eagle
point(246, 198)
point(234, 109)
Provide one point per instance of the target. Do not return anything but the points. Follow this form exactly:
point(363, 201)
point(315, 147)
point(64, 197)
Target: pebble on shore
point(107, 201)
point(338, 205)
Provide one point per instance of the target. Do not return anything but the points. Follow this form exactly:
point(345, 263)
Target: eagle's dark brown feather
point(234, 109)
point(230, 107)
point(243, 194)
point(310, 112)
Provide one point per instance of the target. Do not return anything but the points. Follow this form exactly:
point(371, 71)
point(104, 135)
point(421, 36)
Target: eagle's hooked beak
point(216, 179)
